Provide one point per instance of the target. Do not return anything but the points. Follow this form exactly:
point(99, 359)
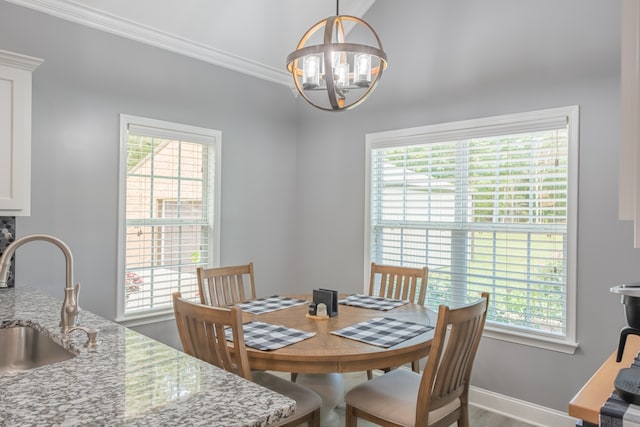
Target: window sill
point(560, 345)
point(129, 321)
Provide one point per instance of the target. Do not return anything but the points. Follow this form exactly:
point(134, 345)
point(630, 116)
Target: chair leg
point(369, 374)
point(415, 366)
point(350, 418)
point(463, 421)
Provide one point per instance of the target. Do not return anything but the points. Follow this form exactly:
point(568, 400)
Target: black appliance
point(631, 299)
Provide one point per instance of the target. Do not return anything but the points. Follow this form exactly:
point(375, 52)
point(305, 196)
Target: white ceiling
point(446, 49)
point(252, 36)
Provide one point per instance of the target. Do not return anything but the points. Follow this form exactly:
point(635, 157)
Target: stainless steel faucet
point(70, 309)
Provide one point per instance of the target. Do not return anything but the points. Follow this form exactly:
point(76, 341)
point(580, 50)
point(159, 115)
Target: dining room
point(294, 182)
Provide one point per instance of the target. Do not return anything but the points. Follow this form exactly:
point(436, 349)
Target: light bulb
point(311, 72)
point(362, 70)
point(342, 75)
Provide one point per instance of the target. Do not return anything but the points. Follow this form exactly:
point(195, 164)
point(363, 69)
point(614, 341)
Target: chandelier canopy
point(330, 73)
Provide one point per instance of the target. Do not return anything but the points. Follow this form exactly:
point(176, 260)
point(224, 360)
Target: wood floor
point(482, 418)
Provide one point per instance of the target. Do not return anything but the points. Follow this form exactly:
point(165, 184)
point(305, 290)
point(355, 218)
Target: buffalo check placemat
point(265, 336)
point(383, 331)
point(616, 412)
point(369, 301)
point(272, 303)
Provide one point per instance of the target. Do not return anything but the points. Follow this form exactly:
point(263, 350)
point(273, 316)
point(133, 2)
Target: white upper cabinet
point(15, 132)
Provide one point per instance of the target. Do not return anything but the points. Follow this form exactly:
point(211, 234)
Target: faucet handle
point(76, 292)
point(69, 313)
point(92, 335)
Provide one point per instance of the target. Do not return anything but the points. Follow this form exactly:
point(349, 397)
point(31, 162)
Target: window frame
point(203, 135)
point(485, 127)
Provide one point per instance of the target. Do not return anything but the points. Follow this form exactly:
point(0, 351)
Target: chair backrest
point(201, 330)
point(223, 286)
point(455, 343)
point(405, 283)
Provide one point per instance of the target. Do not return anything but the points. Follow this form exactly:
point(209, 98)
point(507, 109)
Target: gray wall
point(87, 79)
point(465, 59)
point(293, 177)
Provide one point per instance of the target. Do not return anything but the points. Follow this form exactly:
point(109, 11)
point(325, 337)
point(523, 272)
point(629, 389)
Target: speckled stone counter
point(128, 379)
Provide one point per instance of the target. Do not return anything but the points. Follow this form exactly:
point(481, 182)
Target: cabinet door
point(15, 132)
point(15, 140)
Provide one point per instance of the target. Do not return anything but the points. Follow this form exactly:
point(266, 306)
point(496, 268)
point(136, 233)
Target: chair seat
point(392, 397)
point(306, 400)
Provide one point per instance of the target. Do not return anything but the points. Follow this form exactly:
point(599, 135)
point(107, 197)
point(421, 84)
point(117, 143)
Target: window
point(487, 205)
point(169, 203)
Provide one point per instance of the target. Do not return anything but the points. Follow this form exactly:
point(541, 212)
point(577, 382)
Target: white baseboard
point(520, 410)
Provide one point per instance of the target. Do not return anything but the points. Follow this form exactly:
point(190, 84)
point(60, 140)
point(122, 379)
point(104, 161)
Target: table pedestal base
point(330, 387)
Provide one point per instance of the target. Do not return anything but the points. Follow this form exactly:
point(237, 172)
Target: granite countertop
point(128, 379)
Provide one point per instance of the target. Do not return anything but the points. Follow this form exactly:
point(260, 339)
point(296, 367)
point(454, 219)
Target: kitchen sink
point(23, 348)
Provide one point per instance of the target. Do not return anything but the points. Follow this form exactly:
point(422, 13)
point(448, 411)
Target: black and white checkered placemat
point(616, 412)
point(265, 336)
point(369, 301)
point(383, 331)
point(273, 303)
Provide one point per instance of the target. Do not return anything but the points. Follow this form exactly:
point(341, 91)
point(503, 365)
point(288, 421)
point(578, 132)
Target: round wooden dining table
point(321, 359)
point(328, 353)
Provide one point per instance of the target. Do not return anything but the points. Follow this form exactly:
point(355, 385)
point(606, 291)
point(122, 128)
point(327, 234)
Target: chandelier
point(330, 73)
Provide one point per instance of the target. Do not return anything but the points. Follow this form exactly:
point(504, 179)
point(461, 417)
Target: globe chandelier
point(330, 73)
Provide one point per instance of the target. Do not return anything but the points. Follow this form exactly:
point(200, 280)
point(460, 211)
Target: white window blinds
point(485, 205)
point(169, 211)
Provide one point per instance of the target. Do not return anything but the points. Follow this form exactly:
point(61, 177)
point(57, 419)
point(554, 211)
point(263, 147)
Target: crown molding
point(17, 60)
point(78, 13)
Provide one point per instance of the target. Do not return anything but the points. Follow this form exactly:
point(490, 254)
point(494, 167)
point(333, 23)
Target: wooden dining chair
point(438, 397)
point(405, 283)
point(202, 333)
point(224, 286)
